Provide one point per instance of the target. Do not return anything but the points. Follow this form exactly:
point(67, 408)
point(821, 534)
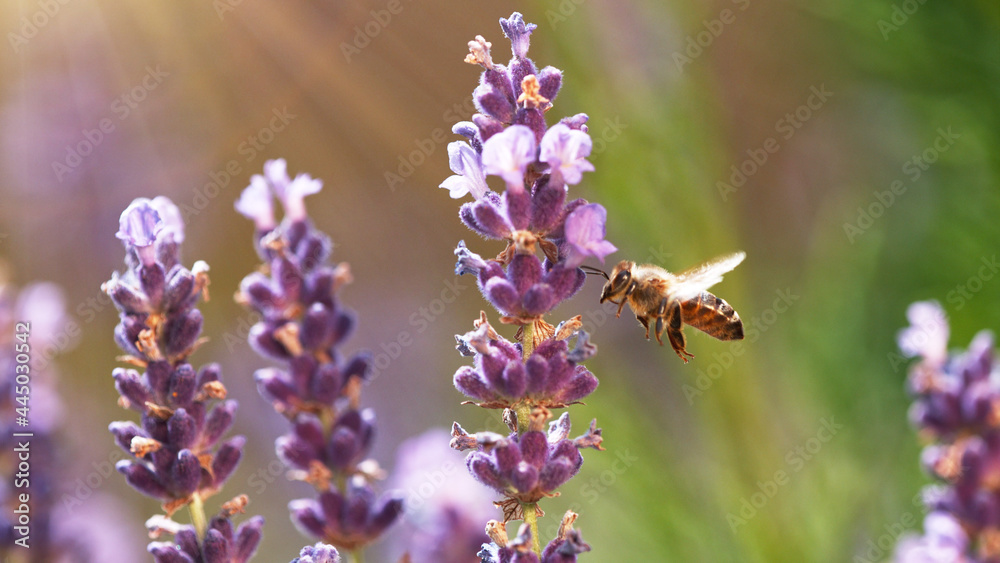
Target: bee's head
point(618, 282)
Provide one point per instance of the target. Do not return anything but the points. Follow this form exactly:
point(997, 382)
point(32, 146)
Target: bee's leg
point(672, 313)
point(621, 304)
point(644, 321)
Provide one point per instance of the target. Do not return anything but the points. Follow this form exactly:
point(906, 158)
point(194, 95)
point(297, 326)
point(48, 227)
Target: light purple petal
point(256, 203)
point(173, 223)
point(927, 335)
point(585, 231)
point(508, 154)
point(276, 172)
point(139, 226)
point(464, 161)
point(293, 198)
point(565, 150)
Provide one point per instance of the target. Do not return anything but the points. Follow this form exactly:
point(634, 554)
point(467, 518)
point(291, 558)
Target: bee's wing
point(690, 283)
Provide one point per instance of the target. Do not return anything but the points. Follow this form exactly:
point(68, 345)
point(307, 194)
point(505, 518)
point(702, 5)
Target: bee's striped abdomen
point(713, 316)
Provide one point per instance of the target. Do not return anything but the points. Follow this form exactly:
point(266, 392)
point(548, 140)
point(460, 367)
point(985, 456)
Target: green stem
point(197, 509)
point(358, 556)
point(531, 519)
point(528, 340)
point(523, 412)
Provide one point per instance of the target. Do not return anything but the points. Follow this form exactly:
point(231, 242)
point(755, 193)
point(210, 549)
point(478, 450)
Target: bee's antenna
point(595, 271)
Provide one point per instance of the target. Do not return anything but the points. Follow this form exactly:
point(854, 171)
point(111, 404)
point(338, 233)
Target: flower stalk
point(316, 388)
point(547, 237)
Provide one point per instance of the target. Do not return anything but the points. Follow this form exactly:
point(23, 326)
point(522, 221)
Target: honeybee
point(672, 300)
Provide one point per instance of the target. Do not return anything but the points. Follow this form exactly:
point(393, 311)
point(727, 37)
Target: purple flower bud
point(547, 204)
point(182, 332)
point(227, 458)
point(182, 386)
point(215, 548)
point(519, 33)
point(469, 176)
point(493, 103)
point(308, 517)
point(164, 552)
point(139, 226)
point(508, 155)
point(179, 292)
point(350, 438)
point(181, 431)
point(130, 387)
point(124, 432)
point(130, 300)
point(185, 474)
point(482, 468)
point(153, 281)
point(317, 327)
point(257, 204)
point(218, 422)
point(142, 479)
point(248, 537)
point(470, 131)
point(295, 452)
point(549, 80)
point(517, 205)
point(533, 119)
point(565, 151)
point(488, 127)
point(319, 553)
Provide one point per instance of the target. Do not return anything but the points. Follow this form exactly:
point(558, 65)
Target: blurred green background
point(883, 192)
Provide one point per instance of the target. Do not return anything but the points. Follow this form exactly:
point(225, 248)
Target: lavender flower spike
point(566, 150)
point(548, 237)
point(508, 155)
point(469, 177)
point(175, 454)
